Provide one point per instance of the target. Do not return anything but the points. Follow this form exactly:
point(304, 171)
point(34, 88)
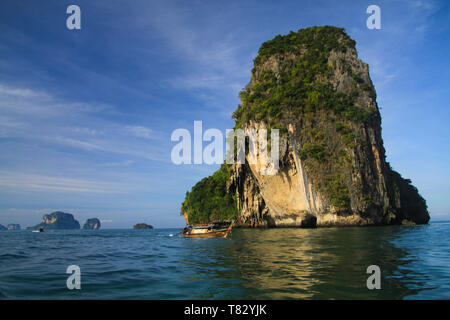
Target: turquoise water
point(326, 263)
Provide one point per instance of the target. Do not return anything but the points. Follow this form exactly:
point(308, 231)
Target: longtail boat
point(207, 231)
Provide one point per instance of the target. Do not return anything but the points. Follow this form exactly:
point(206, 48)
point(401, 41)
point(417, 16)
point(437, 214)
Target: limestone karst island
point(59, 220)
point(333, 171)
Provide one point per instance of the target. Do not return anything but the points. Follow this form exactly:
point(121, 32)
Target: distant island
point(92, 224)
point(57, 221)
point(11, 226)
point(311, 86)
point(142, 226)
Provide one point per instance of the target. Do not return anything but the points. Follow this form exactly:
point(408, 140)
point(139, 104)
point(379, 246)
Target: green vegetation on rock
point(300, 84)
point(209, 199)
point(323, 39)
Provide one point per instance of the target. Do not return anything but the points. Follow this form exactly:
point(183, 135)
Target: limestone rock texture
point(351, 184)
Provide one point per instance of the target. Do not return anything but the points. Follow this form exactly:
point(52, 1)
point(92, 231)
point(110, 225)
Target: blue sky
point(86, 115)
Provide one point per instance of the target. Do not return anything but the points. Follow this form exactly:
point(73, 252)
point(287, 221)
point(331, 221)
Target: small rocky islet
point(11, 226)
point(142, 226)
point(92, 224)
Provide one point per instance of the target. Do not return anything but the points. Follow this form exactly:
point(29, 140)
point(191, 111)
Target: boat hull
point(212, 234)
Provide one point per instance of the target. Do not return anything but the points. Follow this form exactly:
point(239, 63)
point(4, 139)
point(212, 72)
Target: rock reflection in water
point(323, 263)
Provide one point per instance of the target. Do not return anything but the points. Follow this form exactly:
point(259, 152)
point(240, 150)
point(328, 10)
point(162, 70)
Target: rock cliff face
point(92, 224)
point(312, 86)
point(58, 220)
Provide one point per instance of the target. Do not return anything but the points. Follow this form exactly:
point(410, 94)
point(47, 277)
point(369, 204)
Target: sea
point(322, 263)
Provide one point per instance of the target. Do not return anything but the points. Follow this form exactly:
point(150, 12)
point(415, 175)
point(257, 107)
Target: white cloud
point(37, 116)
point(19, 181)
point(141, 132)
point(18, 101)
point(214, 62)
point(20, 92)
point(125, 163)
